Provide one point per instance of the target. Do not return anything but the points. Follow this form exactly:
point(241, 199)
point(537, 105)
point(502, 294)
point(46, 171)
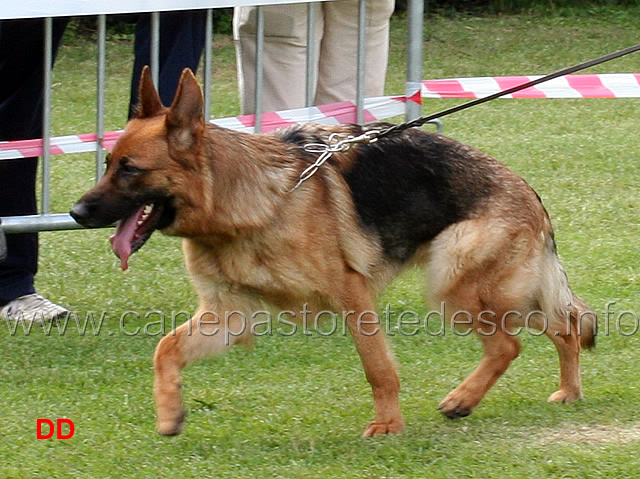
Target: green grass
point(296, 406)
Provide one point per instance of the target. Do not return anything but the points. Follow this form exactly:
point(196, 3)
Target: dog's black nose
point(88, 213)
point(80, 213)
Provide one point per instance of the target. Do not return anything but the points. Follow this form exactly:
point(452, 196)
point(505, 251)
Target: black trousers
point(21, 100)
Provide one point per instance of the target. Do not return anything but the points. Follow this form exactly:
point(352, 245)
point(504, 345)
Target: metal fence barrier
point(50, 221)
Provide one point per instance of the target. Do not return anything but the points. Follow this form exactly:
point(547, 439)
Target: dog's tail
point(566, 311)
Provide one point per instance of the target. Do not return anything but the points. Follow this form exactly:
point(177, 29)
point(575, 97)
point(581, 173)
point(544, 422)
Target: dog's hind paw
point(380, 428)
point(456, 413)
point(455, 406)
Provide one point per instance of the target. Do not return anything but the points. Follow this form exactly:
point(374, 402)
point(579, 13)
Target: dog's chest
point(246, 267)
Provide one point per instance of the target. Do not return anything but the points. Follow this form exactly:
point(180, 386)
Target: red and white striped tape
point(610, 85)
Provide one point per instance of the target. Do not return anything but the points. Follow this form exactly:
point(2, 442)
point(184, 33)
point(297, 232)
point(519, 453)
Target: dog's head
point(141, 188)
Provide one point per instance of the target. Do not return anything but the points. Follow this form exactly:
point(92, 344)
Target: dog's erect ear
point(186, 109)
point(150, 103)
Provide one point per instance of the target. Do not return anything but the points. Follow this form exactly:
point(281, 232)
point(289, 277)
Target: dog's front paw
point(171, 427)
point(565, 396)
point(379, 428)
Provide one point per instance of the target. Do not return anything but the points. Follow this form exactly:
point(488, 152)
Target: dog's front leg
point(206, 334)
point(167, 364)
point(378, 365)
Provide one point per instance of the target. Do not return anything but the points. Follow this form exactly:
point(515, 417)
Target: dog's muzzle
point(84, 215)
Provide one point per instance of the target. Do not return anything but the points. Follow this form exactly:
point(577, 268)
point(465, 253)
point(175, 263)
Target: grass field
point(296, 406)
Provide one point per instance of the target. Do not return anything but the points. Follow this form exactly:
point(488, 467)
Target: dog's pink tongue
point(123, 237)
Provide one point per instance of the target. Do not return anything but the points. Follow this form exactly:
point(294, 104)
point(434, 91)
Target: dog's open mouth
point(131, 233)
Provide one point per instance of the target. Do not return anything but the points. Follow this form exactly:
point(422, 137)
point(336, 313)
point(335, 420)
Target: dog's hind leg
point(569, 354)
point(568, 336)
point(210, 331)
point(569, 322)
point(499, 350)
point(378, 365)
point(475, 271)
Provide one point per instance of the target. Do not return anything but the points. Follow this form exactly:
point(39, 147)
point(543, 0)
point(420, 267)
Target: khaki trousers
point(336, 31)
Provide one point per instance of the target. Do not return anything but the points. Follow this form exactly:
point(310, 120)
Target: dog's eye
point(127, 168)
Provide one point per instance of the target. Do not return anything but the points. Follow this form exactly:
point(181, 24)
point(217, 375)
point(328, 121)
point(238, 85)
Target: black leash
point(566, 71)
point(335, 144)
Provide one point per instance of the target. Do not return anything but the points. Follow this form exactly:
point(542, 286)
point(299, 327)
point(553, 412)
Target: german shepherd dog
point(251, 238)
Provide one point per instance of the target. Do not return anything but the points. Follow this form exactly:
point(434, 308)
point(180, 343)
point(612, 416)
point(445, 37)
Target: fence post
point(362, 52)
point(208, 65)
point(46, 115)
point(155, 47)
point(311, 55)
point(415, 15)
point(100, 109)
point(259, 68)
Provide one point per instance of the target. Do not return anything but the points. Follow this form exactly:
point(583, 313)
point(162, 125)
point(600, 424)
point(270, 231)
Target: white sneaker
point(32, 308)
